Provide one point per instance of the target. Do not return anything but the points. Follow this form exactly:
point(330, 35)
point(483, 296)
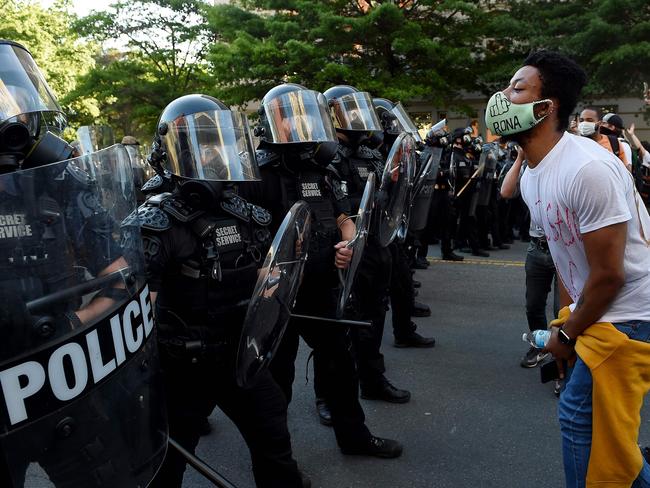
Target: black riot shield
point(394, 188)
point(488, 161)
point(81, 404)
point(274, 295)
point(357, 244)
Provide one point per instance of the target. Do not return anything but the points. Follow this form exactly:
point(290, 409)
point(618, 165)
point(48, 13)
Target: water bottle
point(537, 338)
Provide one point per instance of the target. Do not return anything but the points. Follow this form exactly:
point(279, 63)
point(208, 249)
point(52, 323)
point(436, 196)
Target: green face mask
point(504, 118)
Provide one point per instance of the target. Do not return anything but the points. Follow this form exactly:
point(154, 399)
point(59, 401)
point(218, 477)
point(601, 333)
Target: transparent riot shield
point(357, 244)
point(80, 399)
point(395, 187)
point(274, 295)
point(488, 161)
point(423, 188)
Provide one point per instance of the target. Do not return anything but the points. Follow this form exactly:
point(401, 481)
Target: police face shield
point(81, 397)
point(405, 121)
point(23, 89)
point(211, 146)
point(355, 112)
point(298, 117)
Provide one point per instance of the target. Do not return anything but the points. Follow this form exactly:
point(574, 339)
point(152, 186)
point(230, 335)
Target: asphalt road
point(476, 418)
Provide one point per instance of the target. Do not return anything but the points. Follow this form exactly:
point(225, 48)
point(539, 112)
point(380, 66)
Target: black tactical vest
point(204, 296)
point(355, 165)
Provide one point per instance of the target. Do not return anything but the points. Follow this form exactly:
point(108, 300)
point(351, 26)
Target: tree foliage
point(57, 48)
point(157, 55)
point(399, 50)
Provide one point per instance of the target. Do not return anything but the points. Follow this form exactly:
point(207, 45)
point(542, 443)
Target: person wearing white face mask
point(589, 126)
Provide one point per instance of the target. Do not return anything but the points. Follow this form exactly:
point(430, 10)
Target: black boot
point(420, 310)
point(452, 256)
point(385, 391)
point(377, 447)
point(414, 340)
point(324, 414)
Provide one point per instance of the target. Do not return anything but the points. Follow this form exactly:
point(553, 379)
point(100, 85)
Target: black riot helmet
point(31, 119)
point(354, 115)
point(463, 136)
point(438, 136)
point(295, 118)
point(205, 145)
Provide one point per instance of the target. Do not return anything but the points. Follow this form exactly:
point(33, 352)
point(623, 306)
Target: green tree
point(609, 38)
point(55, 45)
point(400, 50)
point(156, 54)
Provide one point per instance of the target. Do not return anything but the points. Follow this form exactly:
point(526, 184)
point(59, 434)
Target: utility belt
point(540, 243)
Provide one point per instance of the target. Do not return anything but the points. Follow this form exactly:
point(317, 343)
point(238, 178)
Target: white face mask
point(587, 128)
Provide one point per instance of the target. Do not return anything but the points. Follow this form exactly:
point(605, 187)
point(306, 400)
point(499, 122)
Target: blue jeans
point(575, 416)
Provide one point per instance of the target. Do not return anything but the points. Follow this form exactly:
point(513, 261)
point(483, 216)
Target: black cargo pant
point(441, 222)
point(401, 291)
point(194, 389)
point(335, 373)
point(370, 300)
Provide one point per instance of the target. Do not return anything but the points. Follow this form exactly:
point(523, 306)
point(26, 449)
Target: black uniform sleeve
point(156, 256)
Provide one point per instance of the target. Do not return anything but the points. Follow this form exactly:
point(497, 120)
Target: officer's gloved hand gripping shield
point(274, 295)
point(395, 187)
point(80, 400)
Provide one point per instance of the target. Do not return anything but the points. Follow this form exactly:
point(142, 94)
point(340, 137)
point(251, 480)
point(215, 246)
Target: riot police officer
point(67, 272)
point(297, 146)
point(464, 164)
point(402, 290)
point(203, 244)
point(442, 215)
point(360, 133)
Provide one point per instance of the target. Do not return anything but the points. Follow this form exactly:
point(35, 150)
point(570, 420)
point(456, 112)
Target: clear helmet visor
point(214, 145)
point(93, 138)
point(23, 88)
point(355, 111)
point(298, 117)
point(405, 121)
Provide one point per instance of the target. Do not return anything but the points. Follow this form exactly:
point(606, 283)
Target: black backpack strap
point(616, 146)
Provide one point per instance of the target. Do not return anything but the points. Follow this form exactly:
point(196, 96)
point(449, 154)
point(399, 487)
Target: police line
point(76, 366)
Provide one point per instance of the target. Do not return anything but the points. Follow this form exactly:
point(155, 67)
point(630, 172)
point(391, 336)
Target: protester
point(597, 232)
point(590, 119)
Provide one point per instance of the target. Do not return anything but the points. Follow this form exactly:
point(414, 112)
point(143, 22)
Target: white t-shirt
point(626, 149)
point(580, 187)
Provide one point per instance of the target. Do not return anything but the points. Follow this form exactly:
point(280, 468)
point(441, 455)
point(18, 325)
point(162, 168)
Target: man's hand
point(343, 255)
point(631, 129)
point(561, 352)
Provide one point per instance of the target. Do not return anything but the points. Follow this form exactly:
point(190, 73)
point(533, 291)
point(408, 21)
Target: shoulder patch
point(260, 215)
point(237, 207)
point(265, 157)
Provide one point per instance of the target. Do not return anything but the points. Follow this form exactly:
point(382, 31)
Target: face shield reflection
point(22, 86)
point(405, 121)
point(214, 145)
point(355, 112)
point(298, 117)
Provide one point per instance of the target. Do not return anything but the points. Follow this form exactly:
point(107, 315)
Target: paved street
point(476, 419)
